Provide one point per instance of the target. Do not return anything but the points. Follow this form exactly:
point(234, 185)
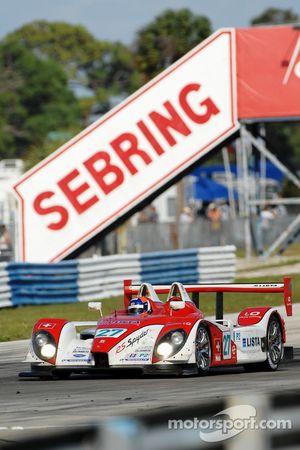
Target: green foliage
point(96, 64)
point(34, 99)
point(276, 16)
point(72, 46)
point(114, 72)
point(36, 153)
point(167, 38)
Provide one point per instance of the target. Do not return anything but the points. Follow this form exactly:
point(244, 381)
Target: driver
point(139, 305)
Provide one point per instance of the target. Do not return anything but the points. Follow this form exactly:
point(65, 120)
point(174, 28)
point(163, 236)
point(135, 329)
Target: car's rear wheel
point(202, 350)
point(274, 348)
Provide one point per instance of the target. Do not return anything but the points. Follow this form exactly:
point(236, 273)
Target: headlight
point(43, 344)
point(48, 351)
point(170, 343)
point(177, 338)
point(164, 349)
point(41, 339)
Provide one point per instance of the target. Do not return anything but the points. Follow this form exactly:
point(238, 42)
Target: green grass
point(292, 250)
point(263, 266)
point(17, 323)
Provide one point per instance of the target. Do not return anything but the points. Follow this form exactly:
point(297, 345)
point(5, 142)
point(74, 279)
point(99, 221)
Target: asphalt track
point(32, 405)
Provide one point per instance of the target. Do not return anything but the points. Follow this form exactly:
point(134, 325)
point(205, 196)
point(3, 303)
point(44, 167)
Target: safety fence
point(98, 278)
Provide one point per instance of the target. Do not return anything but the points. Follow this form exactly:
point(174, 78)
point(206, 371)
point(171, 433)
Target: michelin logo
point(251, 342)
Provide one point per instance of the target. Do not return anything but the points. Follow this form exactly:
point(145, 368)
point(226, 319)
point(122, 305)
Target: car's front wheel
point(202, 350)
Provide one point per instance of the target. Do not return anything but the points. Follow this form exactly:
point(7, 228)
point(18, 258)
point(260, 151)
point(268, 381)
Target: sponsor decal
point(79, 355)
point(237, 336)
point(252, 314)
point(47, 326)
point(69, 360)
point(119, 322)
point(81, 350)
point(120, 348)
point(131, 341)
point(273, 285)
point(138, 356)
point(251, 342)
point(136, 340)
point(218, 345)
point(110, 332)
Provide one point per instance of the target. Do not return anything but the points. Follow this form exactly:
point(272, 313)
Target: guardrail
point(98, 278)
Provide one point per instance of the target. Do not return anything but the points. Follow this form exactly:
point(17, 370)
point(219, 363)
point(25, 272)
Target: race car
point(163, 337)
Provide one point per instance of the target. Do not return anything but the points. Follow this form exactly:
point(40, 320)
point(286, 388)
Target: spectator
point(143, 216)
point(5, 239)
point(267, 216)
point(186, 218)
point(152, 214)
point(187, 215)
point(214, 215)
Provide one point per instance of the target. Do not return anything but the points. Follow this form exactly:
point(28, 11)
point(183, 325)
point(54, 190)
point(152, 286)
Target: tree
point(34, 100)
point(115, 71)
point(72, 46)
point(276, 16)
point(167, 38)
point(95, 64)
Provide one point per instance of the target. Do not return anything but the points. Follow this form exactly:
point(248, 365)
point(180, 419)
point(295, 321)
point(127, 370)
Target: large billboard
point(131, 152)
point(268, 72)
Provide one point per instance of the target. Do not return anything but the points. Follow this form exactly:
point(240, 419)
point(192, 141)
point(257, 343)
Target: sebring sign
point(129, 153)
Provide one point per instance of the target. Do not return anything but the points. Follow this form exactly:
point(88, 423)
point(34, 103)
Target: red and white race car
point(164, 337)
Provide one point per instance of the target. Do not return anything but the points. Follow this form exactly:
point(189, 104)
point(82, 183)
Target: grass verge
point(17, 323)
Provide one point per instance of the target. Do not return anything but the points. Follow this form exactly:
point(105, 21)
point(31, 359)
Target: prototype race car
point(156, 336)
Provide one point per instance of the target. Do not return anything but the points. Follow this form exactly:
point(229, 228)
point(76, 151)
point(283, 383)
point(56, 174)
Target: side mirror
point(176, 305)
point(96, 306)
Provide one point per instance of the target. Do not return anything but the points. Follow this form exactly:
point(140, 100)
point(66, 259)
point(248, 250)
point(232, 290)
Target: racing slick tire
point(274, 348)
point(202, 350)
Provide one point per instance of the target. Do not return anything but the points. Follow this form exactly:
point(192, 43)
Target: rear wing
point(274, 288)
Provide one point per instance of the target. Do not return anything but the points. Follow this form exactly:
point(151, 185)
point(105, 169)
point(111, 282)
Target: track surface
point(34, 404)
point(28, 402)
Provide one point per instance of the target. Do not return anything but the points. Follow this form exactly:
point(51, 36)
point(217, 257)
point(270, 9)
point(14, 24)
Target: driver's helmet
point(139, 305)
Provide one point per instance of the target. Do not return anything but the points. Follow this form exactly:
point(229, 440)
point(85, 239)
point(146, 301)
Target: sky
point(119, 20)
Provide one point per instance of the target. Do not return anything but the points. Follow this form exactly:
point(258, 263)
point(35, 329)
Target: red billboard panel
point(268, 72)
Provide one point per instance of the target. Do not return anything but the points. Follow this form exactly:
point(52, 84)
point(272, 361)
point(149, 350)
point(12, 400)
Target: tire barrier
point(98, 278)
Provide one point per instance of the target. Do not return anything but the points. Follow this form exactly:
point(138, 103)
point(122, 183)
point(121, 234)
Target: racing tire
point(274, 348)
point(202, 350)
